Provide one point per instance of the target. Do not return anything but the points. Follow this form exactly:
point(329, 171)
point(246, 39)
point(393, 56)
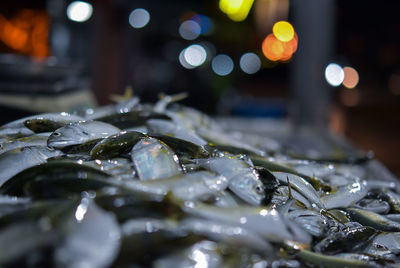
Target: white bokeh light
point(334, 74)
point(79, 11)
point(195, 55)
point(139, 18)
point(183, 61)
point(189, 30)
point(250, 63)
point(222, 65)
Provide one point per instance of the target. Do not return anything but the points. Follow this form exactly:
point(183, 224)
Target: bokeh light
point(237, 10)
point(276, 50)
point(250, 63)
point(79, 11)
point(183, 61)
point(283, 31)
point(351, 77)
point(222, 64)
point(195, 55)
point(139, 18)
point(189, 30)
point(204, 22)
point(334, 74)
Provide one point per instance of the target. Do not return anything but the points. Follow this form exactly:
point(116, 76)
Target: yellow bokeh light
point(351, 77)
point(283, 30)
point(237, 10)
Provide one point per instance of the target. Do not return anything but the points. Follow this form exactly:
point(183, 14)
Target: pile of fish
point(164, 185)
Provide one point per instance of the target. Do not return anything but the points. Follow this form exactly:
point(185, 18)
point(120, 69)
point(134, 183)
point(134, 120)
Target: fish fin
point(128, 94)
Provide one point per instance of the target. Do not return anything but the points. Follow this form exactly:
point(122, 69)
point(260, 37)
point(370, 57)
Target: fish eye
point(259, 189)
point(56, 134)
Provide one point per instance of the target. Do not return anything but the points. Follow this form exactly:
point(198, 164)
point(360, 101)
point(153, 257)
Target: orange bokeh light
point(350, 77)
point(26, 32)
point(276, 50)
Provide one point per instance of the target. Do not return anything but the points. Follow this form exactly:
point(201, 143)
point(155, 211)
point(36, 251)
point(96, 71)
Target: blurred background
point(325, 64)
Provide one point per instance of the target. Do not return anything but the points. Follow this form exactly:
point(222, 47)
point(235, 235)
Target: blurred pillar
point(110, 49)
point(314, 24)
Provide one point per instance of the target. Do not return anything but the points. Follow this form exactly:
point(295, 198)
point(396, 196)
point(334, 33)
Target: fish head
point(251, 190)
point(66, 136)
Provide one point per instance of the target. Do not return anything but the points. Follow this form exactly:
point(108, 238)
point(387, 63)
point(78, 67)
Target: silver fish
point(281, 195)
point(222, 138)
point(164, 127)
point(311, 221)
point(346, 196)
point(226, 232)
point(154, 160)
point(372, 219)
point(17, 160)
point(39, 139)
point(255, 219)
point(243, 179)
point(202, 254)
point(191, 186)
point(79, 133)
point(88, 243)
point(390, 241)
point(121, 107)
point(17, 127)
point(300, 185)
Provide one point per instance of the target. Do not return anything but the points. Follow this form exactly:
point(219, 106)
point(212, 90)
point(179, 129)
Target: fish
point(115, 145)
point(243, 179)
point(55, 174)
point(80, 133)
point(345, 239)
point(190, 186)
point(133, 118)
point(228, 233)
point(88, 243)
point(346, 195)
point(372, 219)
point(169, 128)
point(19, 127)
point(153, 159)
point(17, 160)
point(301, 186)
point(33, 140)
point(321, 260)
point(252, 218)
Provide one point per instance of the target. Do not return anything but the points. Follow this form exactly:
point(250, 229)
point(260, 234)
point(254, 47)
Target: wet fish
point(191, 186)
point(116, 144)
point(154, 160)
point(301, 186)
point(228, 233)
point(18, 127)
point(17, 160)
point(88, 243)
point(169, 128)
point(252, 218)
point(80, 133)
point(56, 174)
point(346, 196)
point(33, 140)
point(369, 218)
point(243, 179)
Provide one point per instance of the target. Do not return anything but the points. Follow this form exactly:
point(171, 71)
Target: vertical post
point(110, 50)
point(314, 24)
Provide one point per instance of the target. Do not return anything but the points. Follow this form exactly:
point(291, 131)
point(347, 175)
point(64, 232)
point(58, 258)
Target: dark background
point(106, 54)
